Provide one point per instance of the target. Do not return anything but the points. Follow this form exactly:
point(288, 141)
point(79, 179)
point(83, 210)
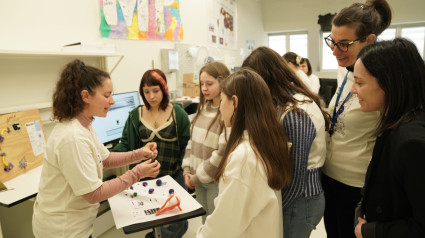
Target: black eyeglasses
point(341, 45)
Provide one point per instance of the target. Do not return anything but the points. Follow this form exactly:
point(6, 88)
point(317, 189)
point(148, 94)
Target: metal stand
point(157, 232)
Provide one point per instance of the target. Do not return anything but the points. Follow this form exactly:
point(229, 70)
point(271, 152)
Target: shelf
point(57, 53)
point(29, 53)
point(44, 105)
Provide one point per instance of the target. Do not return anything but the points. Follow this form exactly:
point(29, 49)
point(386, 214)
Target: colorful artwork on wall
point(222, 23)
point(141, 19)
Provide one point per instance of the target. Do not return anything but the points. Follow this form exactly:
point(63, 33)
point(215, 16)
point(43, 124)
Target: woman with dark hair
point(253, 170)
point(71, 184)
point(306, 124)
point(207, 141)
point(305, 66)
point(394, 194)
point(164, 123)
point(351, 139)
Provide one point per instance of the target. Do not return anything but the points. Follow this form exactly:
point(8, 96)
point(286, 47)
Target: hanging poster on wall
point(222, 23)
point(141, 19)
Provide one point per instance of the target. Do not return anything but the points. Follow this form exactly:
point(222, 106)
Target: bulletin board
point(22, 143)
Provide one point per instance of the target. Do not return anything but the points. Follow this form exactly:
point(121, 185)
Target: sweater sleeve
point(205, 173)
point(119, 159)
point(186, 158)
point(114, 186)
point(183, 128)
point(301, 133)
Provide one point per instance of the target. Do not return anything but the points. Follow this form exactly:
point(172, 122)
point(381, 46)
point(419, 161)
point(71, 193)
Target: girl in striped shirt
point(207, 142)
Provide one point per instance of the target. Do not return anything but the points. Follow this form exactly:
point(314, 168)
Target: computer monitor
point(109, 129)
point(327, 89)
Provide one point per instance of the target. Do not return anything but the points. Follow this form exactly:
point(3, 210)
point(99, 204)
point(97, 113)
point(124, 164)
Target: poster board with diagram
point(22, 143)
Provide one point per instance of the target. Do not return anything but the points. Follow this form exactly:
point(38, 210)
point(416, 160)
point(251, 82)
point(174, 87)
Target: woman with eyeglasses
point(351, 134)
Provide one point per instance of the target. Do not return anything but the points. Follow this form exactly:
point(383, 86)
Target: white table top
point(21, 188)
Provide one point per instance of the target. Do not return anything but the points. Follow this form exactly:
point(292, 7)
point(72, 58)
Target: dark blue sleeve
point(301, 133)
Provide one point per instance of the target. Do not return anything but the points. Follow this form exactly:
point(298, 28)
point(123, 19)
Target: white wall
point(289, 15)
point(50, 24)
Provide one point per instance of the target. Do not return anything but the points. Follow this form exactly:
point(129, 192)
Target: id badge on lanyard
point(335, 112)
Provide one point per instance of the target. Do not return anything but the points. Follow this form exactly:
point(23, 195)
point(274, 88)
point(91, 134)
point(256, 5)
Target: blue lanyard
point(341, 108)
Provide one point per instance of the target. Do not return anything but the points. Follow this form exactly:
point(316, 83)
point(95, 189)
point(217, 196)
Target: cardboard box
point(190, 88)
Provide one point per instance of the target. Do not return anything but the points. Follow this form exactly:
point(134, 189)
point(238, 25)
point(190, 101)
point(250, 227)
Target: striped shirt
point(306, 132)
point(205, 148)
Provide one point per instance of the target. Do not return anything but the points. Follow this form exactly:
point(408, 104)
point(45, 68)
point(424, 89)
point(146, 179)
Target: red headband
point(161, 80)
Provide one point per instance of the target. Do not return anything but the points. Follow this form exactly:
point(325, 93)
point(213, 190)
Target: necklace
point(155, 123)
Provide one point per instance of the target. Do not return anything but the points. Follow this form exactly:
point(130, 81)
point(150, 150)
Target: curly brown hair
point(75, 77)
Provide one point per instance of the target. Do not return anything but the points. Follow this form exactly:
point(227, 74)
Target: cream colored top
point(72, 167)
point(245, 206)
point(350, 148)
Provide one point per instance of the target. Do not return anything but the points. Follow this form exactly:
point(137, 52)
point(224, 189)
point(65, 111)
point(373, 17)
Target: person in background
point(305, 66)
point(71, 185)
point(253, 169)
point(206, 146)
point(305, 123)
point(351, 136)
point(394, 195)
point(294, 62)
point(165, 124)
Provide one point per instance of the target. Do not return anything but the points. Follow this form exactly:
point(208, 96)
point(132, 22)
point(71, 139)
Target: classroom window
point(388, 34)
point(278, 43)
point(416, 35)
point(296, 42)
point(328, 59)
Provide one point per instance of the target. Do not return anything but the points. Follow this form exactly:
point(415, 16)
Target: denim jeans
point(302, 216)
point(205, 195)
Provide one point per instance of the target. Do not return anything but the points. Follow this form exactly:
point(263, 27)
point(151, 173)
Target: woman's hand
point(148, 169)
point(358, 228)
point(149, 151)
point(189, 181)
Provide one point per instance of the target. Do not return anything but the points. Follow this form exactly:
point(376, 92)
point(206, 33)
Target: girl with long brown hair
point(206, 145)
point(305, 122)
point(256, 164)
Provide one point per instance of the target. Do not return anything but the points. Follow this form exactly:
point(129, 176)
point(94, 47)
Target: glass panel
point(388, 34)
point(298, 43)
point(328, 59)
point(417, 35)
point(278, 43)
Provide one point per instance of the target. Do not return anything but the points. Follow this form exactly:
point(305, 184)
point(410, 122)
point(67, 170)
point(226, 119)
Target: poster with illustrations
point(222, 23)
point(141, 19)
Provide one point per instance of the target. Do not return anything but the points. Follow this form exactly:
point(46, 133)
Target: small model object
point(171, 203)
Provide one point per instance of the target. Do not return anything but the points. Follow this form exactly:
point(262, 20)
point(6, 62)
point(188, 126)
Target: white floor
point(194, 223)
